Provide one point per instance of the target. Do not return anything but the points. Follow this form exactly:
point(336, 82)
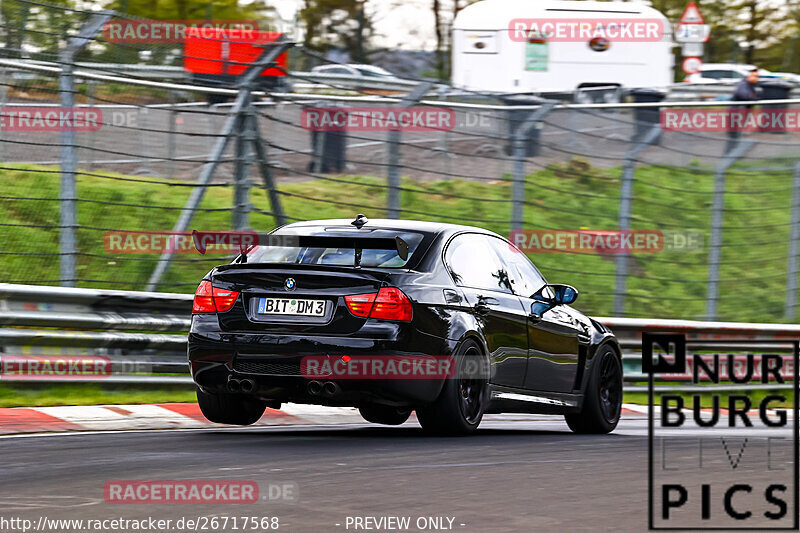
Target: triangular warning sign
point(691, 15)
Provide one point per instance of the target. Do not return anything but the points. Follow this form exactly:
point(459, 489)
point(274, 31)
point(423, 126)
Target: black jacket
point(745, 91)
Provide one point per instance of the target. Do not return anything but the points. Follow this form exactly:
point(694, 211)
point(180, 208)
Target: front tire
point(384, 414)
point(603, 401)
point(230, 408)
point(459, 408)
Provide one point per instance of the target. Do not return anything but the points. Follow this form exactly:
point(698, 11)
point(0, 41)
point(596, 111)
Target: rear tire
point(459, 408)
point(384, 414)
point(603, 401)
point(234, 409)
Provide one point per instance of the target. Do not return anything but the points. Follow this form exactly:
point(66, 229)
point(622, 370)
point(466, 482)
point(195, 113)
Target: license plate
point(291, 306)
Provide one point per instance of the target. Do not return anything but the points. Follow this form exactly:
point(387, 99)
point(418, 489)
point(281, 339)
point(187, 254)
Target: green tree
point(337, 23)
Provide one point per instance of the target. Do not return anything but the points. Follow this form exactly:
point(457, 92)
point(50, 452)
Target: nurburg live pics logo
point(733, 465)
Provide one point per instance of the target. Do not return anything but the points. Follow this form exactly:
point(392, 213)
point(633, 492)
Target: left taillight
point(210, 299)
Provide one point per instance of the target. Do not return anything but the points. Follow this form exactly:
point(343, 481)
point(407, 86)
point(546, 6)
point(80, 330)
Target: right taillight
point(389, 303)
point(210, 299)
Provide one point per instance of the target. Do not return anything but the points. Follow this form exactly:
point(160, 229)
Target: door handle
point(482, 308)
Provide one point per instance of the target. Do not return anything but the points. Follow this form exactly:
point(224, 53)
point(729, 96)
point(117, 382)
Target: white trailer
point(506, 46)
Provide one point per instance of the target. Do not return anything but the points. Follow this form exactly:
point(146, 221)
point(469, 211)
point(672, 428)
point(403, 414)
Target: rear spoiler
point(247, 241)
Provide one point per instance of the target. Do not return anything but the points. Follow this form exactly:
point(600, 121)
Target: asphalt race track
point(511, 476)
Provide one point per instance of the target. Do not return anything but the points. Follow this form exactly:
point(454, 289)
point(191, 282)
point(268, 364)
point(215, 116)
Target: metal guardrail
point(312, 82)
point(143, 333)
point(150, 72)
point(716, 336)
point(306, 80)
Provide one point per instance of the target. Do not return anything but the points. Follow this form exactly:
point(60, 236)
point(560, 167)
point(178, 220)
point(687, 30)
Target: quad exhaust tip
point(329, 388)
point(241, 385)
point(314, 387)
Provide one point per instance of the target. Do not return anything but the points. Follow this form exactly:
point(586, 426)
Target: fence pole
point(794, 236)
point(519, 140)
point(248, 81)
point(5, 82)
point(143, 123)
point(68, 192)
point(625, 209)
point(266, 174)
point(173, 119)
point(393, 147)
point(717, 207)
point(90, 88)
point(241, 191)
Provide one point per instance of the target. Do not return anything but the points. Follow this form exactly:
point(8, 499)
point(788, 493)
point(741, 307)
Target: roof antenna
point(359, 221)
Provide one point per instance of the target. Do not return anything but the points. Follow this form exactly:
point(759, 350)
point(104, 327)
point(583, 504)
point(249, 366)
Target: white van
point(498, 46)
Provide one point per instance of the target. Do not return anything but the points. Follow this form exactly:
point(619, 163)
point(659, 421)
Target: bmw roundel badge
point(289, 284)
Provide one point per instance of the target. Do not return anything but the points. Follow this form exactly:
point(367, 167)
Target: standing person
point(745, 92)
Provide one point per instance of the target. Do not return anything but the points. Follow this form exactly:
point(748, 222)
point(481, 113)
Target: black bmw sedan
point(395, 316)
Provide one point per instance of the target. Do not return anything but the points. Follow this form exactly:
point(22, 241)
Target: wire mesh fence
point(718, 213)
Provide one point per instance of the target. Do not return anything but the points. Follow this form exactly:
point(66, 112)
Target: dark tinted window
point(371, 73)
point(525, 278)
point(713, 74)
point(334, 70)
point(472, 263)
point(307, 255)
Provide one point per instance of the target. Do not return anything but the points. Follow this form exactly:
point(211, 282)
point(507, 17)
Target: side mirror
point(564, 294)
point(556, 294)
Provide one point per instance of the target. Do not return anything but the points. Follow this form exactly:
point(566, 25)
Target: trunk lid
point(280, 298)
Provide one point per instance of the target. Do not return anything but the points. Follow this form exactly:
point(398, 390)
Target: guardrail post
point(794, 236)
point(717, 207)
point(393, 148)
point(519, 140)
point(68, 192)
point(239, 109)
point(625, 209)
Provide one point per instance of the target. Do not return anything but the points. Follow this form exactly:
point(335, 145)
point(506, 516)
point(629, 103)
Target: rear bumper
point(273, 363)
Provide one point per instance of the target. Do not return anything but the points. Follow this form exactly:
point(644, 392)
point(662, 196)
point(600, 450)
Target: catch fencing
point(725, 210)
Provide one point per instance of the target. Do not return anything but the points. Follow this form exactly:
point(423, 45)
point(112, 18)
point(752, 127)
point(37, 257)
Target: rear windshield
point(339, 256)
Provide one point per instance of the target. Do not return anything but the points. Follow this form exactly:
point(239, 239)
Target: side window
point(525, 278)
point(471, 262)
